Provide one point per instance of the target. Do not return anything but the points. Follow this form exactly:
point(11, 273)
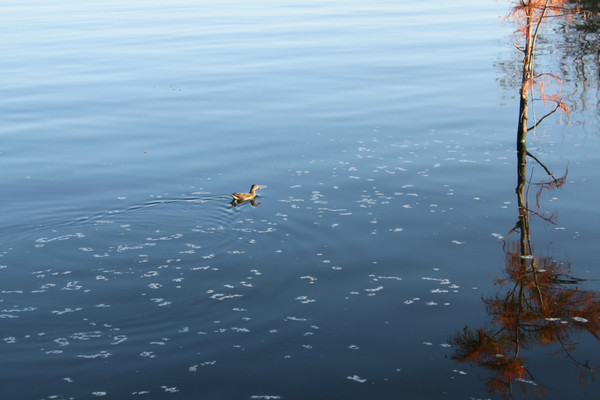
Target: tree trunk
point(524, 111)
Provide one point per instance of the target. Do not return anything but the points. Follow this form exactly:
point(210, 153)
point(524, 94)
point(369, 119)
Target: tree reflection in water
point(539, 303)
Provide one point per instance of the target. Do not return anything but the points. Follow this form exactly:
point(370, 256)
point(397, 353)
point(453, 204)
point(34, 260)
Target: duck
point(246, 196)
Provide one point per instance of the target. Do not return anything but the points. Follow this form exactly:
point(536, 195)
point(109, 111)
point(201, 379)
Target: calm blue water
point(385, 147)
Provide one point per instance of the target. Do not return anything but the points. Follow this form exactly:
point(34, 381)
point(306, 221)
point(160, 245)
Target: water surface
point(385, 147)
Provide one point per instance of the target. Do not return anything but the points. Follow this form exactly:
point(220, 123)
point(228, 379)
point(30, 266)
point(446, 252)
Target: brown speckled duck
point(246, 196)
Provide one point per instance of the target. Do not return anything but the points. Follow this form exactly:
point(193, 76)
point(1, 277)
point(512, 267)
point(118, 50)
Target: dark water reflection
point(541, 304)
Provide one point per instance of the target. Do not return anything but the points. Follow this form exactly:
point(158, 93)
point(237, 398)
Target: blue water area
point(384, 145)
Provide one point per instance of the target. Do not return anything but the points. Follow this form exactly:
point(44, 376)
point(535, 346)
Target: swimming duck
point(246, 196)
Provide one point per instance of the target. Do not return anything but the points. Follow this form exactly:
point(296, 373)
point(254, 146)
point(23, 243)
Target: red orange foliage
point(529, 16)
point(534, 11)
point(540, 308)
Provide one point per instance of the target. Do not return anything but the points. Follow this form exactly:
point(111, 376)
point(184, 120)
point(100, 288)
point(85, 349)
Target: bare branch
point(537, 28)
point(544, 117)
point(543, 166)
point(519, 48)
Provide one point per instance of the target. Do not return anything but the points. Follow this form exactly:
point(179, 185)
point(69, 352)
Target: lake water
point(384, 142)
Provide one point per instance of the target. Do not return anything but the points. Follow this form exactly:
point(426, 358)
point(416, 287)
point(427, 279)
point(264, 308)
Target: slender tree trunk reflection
point(538, 304)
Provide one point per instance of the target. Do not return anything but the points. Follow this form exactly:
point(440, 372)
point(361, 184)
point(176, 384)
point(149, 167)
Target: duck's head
point(254, 187)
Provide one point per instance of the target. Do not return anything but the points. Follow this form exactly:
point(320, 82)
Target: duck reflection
point(235, 202)
point(538, 305)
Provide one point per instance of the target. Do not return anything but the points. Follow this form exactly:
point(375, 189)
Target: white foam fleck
point(377, 289)
point(294, 319)
point(160, 302)
point(526, 381)
point(356, 378)
point(86, 335)
point(101, 354)
point(396, 278)
point(164, 238)
point(442, 281)
point(121, 248)
point(61, 342)
point(119, 339)
point(304, 299)
point(59, 238)
point(72, 285)
point(221, 296)
point(438, 291)
point(24, 309)
point(66, 310)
